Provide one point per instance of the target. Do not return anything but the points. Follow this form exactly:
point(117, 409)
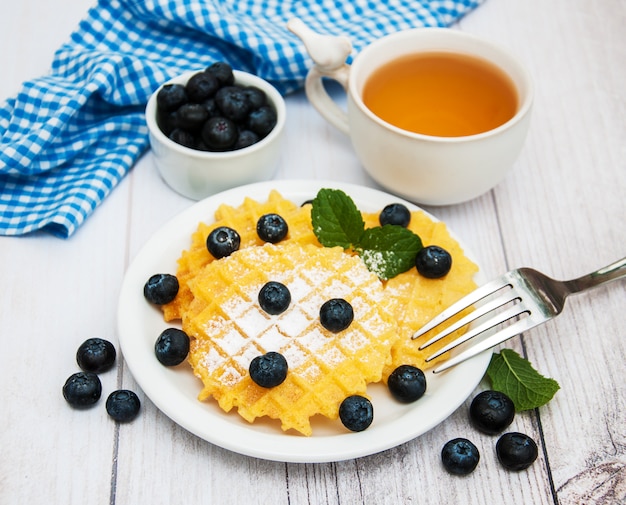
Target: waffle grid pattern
point(230, 329)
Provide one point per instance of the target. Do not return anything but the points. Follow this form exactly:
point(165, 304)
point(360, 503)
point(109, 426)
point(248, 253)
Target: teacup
point(428, 168)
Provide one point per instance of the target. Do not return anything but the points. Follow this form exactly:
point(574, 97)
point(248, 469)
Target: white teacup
point(428, 169)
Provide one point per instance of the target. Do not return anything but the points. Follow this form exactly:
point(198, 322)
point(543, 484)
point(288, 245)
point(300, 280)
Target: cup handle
point(321, 100)
point(329, 54)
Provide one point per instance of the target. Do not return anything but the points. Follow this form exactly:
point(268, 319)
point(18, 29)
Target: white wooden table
point(561, 210)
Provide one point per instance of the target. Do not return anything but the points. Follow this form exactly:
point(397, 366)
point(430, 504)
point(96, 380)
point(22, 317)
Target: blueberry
point(256, 96)
point(161, 288)
point(171, 347)
point(516, 451)
point(395, 213)
point(211, 107)
point(460, 456)
point(223, 71)
point(123, 405)
point(82, 389)
point(223, 241)
point(233, 103)
point(201, 86)
point(272, 228)
point(356, 413)
point(491, 412)
point(274, 298)
point(95, 355)
point(433, 262)
point(269, 370)
point(246, 138)
point(407, 383)
point(219, 133)
point(192, 116)
point(336, 315)
point(171, 96)
point(183, 137)
point(167, 121)
point(262, 120)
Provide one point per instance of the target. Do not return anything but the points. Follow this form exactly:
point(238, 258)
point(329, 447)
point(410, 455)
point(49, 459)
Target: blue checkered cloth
point(69, 137)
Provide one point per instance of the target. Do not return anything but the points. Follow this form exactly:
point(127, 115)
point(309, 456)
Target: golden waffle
point(243, 219)
point(229, 329)
point(418, 298)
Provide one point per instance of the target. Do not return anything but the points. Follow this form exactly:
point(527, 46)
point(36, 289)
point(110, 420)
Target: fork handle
point(609, 273)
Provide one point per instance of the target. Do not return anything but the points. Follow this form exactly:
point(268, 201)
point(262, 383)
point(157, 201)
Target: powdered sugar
point(245, 331)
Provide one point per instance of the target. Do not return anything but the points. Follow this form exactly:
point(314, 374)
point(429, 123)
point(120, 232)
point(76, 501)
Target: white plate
point(174, 390)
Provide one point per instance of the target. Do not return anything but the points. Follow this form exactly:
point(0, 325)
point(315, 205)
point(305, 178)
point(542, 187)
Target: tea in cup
point(435, 115)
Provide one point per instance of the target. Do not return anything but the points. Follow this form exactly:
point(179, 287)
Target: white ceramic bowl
point(199, 174)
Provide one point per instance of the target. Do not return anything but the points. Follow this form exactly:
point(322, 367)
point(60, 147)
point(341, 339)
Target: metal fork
point(523, 294)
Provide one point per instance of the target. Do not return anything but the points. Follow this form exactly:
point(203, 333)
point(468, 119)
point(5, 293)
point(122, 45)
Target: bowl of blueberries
point(215, 129)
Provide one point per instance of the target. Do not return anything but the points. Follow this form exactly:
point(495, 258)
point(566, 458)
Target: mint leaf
point(514, 376)
point(388, 250)
point(336, 220)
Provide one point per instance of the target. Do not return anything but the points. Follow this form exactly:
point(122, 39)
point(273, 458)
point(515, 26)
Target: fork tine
point(467, 301)
point(500, 318)
point(497, 338)
point(471, 317)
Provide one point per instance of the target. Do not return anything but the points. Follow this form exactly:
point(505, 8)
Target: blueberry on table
point(433, 262)
point(171, 96)
point(516, 451)
point(219, 133)
point(272, 228)
point(123, 405)
point(172, 347)
point(395, 213)
point(82, 389)
point(460, 456)
point(223, 241)
point(269, 370)
point(336, 314)
point(491, 411)
point(223, 71)
point(356, 413)
point(274, 298)
point(161, 289)
point(407, 383)
point(95, 355)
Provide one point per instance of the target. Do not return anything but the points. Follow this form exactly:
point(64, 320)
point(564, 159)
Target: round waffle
point(229, 329)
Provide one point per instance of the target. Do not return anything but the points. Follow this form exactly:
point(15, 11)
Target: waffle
point(243, 219)
point(229, 328)
point(418, 299)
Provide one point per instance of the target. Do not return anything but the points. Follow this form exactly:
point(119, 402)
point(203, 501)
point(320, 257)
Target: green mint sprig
point(514, 376)
point(386, 250)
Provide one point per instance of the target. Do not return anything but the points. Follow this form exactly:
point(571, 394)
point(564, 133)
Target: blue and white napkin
point(69, 137)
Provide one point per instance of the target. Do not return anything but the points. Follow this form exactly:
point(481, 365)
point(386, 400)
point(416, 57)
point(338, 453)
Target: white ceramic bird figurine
point(329, 52)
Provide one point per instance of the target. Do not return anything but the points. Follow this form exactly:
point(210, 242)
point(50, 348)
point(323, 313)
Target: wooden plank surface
point(561, 210)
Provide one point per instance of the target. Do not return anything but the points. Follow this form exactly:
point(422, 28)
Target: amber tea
point(441, 94)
